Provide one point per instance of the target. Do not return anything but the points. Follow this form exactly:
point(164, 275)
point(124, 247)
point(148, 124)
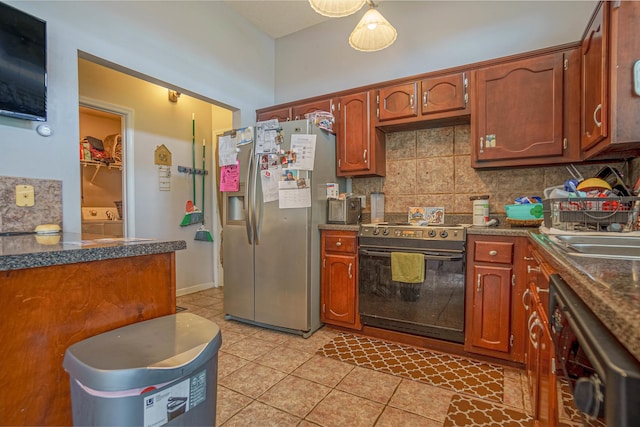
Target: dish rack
point(591, 214)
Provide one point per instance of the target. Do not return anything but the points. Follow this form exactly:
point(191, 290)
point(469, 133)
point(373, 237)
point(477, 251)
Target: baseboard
point(195, 288)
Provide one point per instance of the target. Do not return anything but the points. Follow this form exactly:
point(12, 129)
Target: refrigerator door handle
point(254, 176)
point(247, 201)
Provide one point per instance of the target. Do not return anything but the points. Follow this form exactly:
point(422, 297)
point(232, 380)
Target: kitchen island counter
point(54, 294)
point(609, 287)
point(29, 251)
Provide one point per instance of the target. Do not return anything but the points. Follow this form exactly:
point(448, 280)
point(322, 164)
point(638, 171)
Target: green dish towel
point(407, 267)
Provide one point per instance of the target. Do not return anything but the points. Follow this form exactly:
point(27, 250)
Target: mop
point(202, 233)
point(192, 215)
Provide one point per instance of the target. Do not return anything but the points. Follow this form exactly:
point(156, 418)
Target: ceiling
point(278, 18)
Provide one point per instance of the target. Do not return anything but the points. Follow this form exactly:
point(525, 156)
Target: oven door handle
point(426, 256)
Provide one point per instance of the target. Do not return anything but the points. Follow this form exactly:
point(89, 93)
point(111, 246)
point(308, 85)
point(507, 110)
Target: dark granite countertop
point(29, 251)
point(609, 287)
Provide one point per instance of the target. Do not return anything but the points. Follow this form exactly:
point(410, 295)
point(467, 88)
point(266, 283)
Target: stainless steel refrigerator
point(271, 255)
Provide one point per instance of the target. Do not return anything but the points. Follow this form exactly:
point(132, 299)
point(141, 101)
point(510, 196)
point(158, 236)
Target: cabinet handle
point(540, 291)
point(482, 144)
point(513, 280)
point(528, 258)
point(411, 101)
point(479, 283)
point(338, 244)
point(524, 295)
point(364, 155)
point(350, 275)
point(530, 322)
point(493, 253)
point(532, 269)
point(324, 263)
point(425, 98)
point(595, 113)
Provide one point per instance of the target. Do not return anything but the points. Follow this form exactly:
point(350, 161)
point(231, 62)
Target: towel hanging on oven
point(407, 267)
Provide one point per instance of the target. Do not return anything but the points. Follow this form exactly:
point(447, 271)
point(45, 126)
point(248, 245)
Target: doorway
point(102, 161)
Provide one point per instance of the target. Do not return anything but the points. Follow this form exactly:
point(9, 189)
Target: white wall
point(432, 35)
point(185, 44)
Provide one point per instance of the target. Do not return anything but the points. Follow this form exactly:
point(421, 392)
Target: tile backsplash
point(47, 208)
point(432, 167)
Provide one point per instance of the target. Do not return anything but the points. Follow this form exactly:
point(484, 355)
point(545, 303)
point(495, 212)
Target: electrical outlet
point(24, 195)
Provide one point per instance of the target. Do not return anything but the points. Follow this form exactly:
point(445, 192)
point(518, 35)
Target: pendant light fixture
point(336, 8)
point(373, 32)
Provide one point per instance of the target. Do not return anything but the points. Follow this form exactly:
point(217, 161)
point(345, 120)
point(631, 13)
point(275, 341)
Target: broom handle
point(193, 154)
point(203, 166)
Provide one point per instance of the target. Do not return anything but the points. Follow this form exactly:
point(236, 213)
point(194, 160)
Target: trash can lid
point(143, 354)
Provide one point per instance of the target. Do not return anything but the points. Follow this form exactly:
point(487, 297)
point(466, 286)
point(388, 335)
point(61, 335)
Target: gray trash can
point(162, 371)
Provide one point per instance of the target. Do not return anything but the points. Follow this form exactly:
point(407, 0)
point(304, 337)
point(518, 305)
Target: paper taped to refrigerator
point(230, 177)
point(304, 147)
point(227, 150)
point(298, 198)
point(270, 179)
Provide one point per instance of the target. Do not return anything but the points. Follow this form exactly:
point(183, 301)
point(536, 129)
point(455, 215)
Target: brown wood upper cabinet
point(281, 114)
point(611, 79)
point(359, 147)
point(519, 111)
point(298, 111)
point(431, 96)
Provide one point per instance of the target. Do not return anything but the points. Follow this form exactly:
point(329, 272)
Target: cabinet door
point(298, 111)
point(339, 290)
point(446, 93)
point(282, 114)
point(397, 102)
point(547, 380)
point(519, 111)
point(491, 308)
point(595, 106)
point(353, 136)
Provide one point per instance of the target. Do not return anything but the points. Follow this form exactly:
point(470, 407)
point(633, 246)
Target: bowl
point(524, 211)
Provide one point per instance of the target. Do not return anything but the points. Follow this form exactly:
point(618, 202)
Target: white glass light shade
point(336, 8)
point(372, 33)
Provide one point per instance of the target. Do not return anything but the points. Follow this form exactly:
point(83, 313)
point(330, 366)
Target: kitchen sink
point(599, 246)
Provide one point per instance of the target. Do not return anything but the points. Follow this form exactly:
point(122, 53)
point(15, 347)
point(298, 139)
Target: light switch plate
point(24, 195)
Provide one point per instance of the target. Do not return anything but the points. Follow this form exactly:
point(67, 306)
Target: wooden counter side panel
point(45, 310)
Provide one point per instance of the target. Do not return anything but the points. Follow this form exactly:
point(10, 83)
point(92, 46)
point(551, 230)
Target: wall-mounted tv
point(23, 65)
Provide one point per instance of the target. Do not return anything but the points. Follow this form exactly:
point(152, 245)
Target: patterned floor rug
point(459, 374)
point(464, 411)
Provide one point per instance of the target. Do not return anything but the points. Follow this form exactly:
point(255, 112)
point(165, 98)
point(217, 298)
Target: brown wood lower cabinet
point(46, 309)
point(493, 310)
point(540, 352)
point(339, 295)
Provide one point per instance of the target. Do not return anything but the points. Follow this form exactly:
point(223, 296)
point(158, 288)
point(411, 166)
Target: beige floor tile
point(513, 395)
point(206, 312)
point(252, 379)
point(229, 363)
point(295, 395)
point(372, 385)
point(229, 338)
point(305, 423)
point(341, 409)
point(249, 348)
point(323, 370)
point(314, 342)
point(283, 358)
point(273, 336)
point(422, 399)
point(393, 417)
point(229, 403)
point(259, 414)
point(235, 326)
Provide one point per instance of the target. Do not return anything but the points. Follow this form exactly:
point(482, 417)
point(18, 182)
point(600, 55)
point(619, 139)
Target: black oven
point(603, 375)
point(433, 308)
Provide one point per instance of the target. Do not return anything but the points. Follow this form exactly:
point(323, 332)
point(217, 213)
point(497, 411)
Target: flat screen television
point(23, 65)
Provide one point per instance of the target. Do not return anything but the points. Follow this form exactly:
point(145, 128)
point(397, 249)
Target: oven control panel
point(456, 233)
